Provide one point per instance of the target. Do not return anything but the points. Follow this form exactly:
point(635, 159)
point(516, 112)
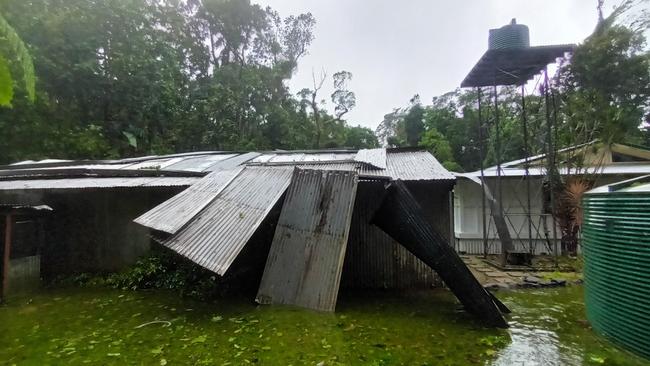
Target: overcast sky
point(396, 49)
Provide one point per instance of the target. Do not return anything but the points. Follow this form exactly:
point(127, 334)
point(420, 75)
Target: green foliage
point(413, 122)
point(360, 138)
point(164, 270)
point(6, 83)
point(436, 143)
point(133, 77)
point(605, 89)
point(14, 56)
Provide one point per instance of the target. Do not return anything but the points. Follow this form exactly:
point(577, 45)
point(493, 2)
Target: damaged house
point(304, 222)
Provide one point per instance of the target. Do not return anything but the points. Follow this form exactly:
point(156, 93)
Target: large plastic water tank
point(616, 248)
point(511, 36)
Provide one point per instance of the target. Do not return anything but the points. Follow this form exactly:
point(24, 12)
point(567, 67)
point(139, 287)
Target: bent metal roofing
point(211, 222)
point(230, 193)
point(215, 236)
point(404, 164)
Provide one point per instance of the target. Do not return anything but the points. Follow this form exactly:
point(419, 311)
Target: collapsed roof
point(231, 194)
point(249, 189)
point(188, 168)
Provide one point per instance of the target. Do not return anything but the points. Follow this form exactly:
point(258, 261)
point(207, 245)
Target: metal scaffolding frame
point(515, 67)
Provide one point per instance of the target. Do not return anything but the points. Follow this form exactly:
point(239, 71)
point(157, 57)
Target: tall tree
point(413, 122)
point(605, 88)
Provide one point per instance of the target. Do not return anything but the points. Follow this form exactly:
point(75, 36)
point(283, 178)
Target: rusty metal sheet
point(171, 215)
point(373, 157)
point(306, 258)
point(215, 236)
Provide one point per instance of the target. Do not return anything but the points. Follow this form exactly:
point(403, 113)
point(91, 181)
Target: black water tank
point(509, 36)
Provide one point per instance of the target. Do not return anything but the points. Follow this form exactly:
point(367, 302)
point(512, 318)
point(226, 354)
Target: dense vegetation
point(131, 77)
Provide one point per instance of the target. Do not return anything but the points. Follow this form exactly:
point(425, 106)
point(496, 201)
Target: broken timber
point(401, 217)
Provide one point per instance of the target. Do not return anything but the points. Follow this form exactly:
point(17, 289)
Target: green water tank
point(511, 36)
point(616, 249)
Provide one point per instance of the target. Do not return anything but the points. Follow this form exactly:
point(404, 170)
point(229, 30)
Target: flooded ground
point(100, 326)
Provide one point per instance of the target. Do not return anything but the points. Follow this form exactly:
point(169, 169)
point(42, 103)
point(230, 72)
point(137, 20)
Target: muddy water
point(99, 326)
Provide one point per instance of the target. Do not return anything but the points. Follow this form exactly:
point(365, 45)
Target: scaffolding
point(515, 67)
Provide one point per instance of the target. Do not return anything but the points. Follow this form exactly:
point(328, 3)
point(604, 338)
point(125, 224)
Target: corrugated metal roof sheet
point(89, 183)
point(199, 163)
point(306, 258)
point(415, 165)
point(177, 211)
point(44, 161)
point(302, 156)
point(233, 162)
point(219, 232)
point(614, 169)
point(149, 164)
point(374, 260)
point(405, 165)
point(374, 157)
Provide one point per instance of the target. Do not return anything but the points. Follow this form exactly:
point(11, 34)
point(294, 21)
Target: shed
point(22, 240)
point(298, 222)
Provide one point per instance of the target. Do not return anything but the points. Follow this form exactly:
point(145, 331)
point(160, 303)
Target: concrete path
point(492, 277)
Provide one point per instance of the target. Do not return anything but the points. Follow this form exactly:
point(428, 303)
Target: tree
point(15, 64)
point(360, 138)
point(438, 145)
point(135, 77)
point(329, 131)
point(389, 128)
point(413, 122)
point(344, 100)
point(605, 88)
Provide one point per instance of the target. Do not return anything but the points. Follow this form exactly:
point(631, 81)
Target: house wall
point(373, 259)
point(92, 230)
point(468, 222)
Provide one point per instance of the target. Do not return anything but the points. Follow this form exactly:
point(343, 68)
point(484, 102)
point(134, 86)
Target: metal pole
point(497, 150)
point(7, 251)
point(524, 121)
point(481, 158)
point(551, 162)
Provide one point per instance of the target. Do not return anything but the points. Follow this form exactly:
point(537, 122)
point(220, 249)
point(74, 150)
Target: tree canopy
point(132, 77)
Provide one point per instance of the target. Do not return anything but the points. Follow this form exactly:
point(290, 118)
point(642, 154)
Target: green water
point(99, 326)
